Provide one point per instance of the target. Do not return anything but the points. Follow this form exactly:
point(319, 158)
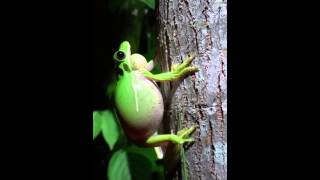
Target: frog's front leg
point(177, 71)
point(181, 137)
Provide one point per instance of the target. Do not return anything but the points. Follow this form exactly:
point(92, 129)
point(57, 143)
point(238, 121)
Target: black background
point(105, 41)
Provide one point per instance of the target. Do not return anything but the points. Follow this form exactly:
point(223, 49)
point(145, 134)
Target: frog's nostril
point(126, 67)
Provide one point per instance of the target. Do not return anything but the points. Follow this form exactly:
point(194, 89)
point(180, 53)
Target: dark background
point(106, 33)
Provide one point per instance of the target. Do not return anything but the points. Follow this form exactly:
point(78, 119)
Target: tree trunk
point(186, 27)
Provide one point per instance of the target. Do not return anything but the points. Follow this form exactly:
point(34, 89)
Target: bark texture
point(200, 27)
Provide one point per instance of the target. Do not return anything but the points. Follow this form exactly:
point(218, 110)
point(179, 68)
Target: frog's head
point(128, 62)
point(123, 57)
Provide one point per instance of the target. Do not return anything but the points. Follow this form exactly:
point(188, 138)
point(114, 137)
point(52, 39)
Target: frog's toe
point(177, 68)
point(183, 133)
point(190, 69)
point(182, 141)
point(174, 67)
point(189, 59)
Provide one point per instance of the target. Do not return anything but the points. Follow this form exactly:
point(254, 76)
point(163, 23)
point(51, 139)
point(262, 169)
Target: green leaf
point(147, 152)
point(149, 3)
point(109, 126)
point(151, 155)
point(127, 165)
point(96, 124)
point(118, 167)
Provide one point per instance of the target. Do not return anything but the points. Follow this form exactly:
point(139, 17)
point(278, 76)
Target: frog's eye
point(119, 56)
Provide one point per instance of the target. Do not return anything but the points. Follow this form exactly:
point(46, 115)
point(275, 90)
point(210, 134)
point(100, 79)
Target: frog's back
point(140, 111)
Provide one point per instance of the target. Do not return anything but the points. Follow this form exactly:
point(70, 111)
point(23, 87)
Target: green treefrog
point(138, 101)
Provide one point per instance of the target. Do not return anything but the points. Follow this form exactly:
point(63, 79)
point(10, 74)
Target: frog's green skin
point(138, 101)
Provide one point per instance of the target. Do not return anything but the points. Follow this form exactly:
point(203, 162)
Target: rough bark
point(185, 27)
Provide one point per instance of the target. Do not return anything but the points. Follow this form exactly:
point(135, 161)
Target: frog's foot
point(180, 138)
point(177, 71)
point(184, 69)
point(184, 134)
